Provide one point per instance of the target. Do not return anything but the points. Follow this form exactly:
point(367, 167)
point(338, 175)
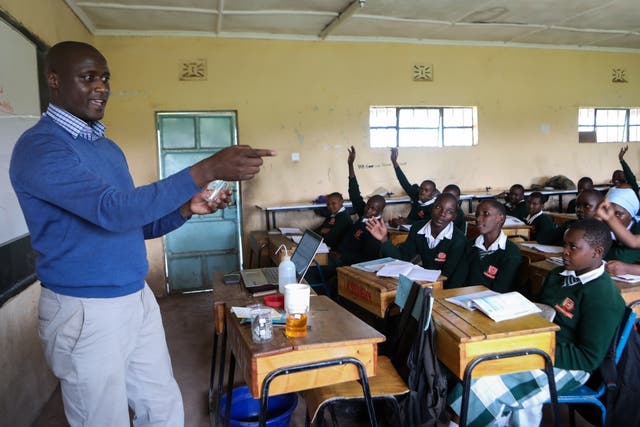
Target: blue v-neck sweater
point(87, 220)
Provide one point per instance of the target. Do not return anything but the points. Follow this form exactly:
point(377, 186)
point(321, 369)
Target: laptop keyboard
point(271, 274)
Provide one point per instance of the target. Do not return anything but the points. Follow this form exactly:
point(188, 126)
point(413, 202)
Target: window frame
point(591, 136)
point(441, 129)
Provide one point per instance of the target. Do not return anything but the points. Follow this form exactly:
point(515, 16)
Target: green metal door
point(206, 243)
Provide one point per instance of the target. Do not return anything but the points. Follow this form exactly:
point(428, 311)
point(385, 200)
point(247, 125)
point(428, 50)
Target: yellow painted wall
point(51, 20)
point(313, 98)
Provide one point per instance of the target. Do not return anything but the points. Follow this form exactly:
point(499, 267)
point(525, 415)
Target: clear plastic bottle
point(286, 270)
point(216, 187)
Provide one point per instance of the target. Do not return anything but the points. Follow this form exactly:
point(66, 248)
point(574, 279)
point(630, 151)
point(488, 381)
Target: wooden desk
point(538, 272)
point(561, 218)
point(371, 292)
point(510, 230)
point(463, 335)
point(535, 255)
point(275, 240)
point(398, 236)
point(334, 333)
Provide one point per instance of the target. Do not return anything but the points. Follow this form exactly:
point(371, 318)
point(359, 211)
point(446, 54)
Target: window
point(423, 126)
point(608, 124)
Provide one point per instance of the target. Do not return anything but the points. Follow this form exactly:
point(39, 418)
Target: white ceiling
point(590, 24)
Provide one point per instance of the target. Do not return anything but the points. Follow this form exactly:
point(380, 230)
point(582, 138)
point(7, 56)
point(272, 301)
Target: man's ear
point(52, 80)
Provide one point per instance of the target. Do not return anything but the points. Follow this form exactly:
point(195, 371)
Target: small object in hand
point(216, 187)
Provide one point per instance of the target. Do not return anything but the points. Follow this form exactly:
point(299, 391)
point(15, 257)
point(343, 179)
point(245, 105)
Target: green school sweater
point(544, 230)
point(497, 271)
point(624, 253)
point(630, 177)
point(520, 210)
point(587, 314)
point(337, 226)
point(558, 234)
point(358, 244)
point(447, 256)
point(418, 212)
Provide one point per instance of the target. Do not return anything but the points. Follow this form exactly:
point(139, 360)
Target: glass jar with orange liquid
point(296, 303)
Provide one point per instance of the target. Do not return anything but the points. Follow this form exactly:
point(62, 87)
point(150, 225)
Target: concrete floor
point(189, 330)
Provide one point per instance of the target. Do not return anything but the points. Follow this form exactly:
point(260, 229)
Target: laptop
point(301, 258)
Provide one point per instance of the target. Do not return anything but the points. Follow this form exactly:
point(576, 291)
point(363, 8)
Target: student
point(515, 203)
point(587, 204)
point(588, 309)
point(625, 205)
point(359, 245)
point(544, 230)
point(629, 177)
point(586, 207)
point(459, 222)
point(438, 242)
point(337, 224)
point(99, 322)
point(422, 197)
point(492, 260)
point(584, 183)
point(606, 213)
point(618, 179)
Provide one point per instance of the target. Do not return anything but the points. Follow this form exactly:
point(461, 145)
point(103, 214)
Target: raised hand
point(239, 162)
point(604, 211)
point(378, 229)
point(394, 156)
point(352, 155)
point(622, 152)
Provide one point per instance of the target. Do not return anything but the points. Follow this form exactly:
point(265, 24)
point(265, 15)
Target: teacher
point(99, 322)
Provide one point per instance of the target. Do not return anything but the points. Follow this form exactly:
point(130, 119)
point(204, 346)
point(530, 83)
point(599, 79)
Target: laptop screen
point(305, 252)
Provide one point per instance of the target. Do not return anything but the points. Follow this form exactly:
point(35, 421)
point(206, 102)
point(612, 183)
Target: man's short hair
point(596, 233)
point(517, 187)
point(428, 181)
point(335, 194)
point(59, 53)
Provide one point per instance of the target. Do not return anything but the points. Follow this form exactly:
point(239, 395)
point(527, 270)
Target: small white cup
point(296, 298)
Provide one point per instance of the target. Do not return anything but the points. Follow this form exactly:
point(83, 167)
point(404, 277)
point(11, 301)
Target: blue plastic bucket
point(245, 410)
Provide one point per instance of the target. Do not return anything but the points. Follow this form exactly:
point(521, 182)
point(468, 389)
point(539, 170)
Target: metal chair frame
point(548, 369)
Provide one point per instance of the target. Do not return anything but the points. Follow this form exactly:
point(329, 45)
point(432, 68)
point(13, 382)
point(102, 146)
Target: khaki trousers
point(109, 354)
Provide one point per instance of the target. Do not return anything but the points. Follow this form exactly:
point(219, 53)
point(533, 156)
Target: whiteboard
point(19, 110)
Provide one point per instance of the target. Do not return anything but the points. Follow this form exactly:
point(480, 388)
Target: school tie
point(571, 281)
point(483, 253)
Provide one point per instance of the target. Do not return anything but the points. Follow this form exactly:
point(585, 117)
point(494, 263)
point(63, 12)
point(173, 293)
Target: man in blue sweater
point(98, 320)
